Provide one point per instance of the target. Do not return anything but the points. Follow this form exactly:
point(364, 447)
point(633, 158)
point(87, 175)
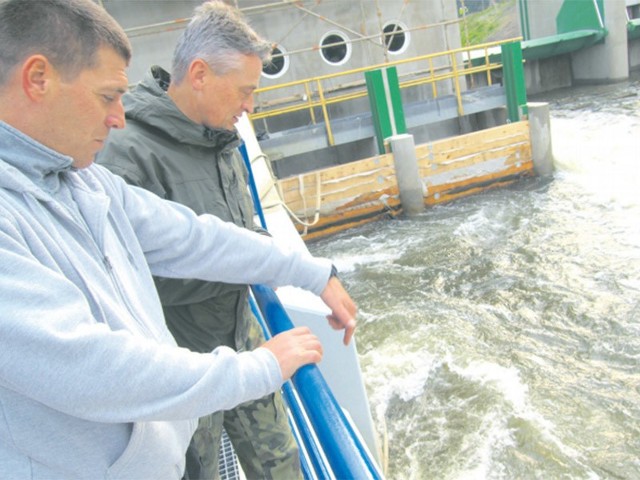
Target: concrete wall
point(542, 17)
point(634, 54)
point(607, 62)
point(297, 27)
point(297, 30)
point(150, 48)
point(633, 8)
point(548, 74)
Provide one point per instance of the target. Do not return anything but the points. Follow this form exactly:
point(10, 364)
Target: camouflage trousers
point(259, 431)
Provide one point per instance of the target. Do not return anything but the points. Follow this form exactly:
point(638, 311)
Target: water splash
point(499, 334)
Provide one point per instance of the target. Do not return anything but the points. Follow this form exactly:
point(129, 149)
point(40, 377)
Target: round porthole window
point(335, 48)
point(279, 63)
point(396, 37)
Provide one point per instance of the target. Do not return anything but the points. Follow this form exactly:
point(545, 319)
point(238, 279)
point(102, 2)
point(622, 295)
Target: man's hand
point(343, 310)
point(293, 349)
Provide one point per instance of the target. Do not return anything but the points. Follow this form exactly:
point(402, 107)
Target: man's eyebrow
point(118, 90)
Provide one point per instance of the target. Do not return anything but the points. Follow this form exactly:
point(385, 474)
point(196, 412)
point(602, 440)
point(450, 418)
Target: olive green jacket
point(161, 150)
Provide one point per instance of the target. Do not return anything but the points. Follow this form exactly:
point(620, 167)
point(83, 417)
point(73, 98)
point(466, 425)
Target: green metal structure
point(579, 24)
point(383, 89)
point(633, 28)
point(575, 15)
point(523, 10)
point(514, 84)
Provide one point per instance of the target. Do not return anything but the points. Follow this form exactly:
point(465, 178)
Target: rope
point(316, 216)
point(305, 224)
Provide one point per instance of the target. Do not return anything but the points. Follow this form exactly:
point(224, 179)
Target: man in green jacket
point(180, 143)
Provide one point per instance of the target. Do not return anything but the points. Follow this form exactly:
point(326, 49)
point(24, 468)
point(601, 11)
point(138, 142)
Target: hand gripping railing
point(343, 448)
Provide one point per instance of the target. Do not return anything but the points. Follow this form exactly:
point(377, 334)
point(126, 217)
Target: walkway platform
point(287, 148)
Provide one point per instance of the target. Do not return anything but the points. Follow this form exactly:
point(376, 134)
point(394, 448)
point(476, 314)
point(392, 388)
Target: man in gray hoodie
point(180, 143)
point(92, 384)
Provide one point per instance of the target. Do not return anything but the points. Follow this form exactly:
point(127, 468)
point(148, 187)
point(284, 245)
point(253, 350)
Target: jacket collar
point(27, 164)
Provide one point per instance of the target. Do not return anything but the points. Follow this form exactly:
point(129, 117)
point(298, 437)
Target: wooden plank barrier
point(365, 190)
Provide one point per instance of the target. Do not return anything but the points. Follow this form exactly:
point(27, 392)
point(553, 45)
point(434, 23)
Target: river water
point(499, 335)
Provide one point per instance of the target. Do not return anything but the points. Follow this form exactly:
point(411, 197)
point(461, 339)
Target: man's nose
point(247, 105)
point(115, 118)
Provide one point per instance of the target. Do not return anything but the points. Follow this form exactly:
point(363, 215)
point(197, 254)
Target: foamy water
point(499, 335)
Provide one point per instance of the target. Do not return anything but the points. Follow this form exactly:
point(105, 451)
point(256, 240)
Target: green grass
point(481, 25)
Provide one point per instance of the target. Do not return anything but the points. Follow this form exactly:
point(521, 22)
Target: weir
point(407, 171)
point(312, 122)
point(488, 84)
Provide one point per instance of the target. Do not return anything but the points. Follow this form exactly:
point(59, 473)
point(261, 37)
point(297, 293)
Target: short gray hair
point(217, 33)
point(68, 32)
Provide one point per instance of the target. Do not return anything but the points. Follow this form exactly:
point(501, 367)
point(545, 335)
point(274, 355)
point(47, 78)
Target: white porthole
point(335, 48)
point(396, 37)
point(279, 63)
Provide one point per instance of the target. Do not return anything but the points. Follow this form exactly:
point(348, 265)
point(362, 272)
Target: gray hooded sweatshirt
point(92, 384)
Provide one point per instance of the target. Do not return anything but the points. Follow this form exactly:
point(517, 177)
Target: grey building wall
point(542, 17)
point(298, 27)
point(608, 61)
point(151, 44)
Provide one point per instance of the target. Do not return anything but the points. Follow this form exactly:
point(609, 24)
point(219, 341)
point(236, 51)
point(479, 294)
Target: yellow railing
point(314, 95)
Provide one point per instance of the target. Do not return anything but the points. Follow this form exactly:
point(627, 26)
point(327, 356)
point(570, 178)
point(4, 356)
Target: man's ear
point(37, 75)
point(198, 70)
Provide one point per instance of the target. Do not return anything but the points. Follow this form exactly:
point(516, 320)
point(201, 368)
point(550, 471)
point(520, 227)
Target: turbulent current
point(499, 335)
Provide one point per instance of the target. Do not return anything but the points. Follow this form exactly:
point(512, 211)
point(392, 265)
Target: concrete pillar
point(608, 62)
point(406, 164)
point(540, 131)
point(634, 54)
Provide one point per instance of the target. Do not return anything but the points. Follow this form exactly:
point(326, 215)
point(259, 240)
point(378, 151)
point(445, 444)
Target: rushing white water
point(500, 334)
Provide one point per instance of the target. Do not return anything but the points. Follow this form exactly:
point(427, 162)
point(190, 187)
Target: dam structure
point(348, 80)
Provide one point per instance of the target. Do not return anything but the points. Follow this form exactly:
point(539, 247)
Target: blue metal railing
point(312, 460)
point(252, 186)
point(343, 448)
point(331, 447)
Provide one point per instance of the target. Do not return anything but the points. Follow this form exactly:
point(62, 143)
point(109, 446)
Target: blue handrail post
point(252, 186)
